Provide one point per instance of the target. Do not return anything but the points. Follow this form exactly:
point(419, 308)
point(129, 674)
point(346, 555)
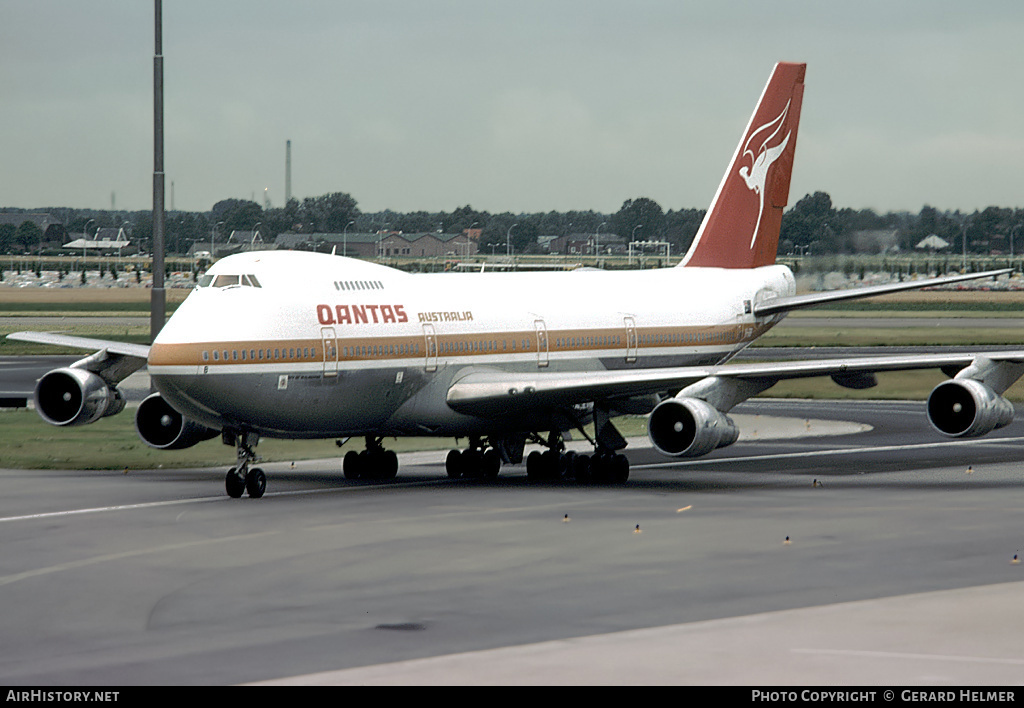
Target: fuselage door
point(430, 346)
point(330, 348)
point(632, 343)
point(542, 342)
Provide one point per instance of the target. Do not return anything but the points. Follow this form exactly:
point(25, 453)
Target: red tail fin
point(741, 229)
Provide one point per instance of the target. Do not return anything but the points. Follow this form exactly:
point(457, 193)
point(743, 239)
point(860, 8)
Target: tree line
point(812, 225)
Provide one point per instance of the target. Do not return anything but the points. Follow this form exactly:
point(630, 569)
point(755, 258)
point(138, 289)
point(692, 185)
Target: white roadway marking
point(830, 451)
point(176, 502)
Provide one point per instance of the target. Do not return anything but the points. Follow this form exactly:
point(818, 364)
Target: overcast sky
point(506, 105)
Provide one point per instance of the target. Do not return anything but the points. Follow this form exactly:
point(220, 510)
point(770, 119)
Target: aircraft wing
point(796, 302)
point(493, 392)
point(113, 361)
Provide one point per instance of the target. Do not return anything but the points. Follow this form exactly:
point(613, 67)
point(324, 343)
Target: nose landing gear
point(241, 478)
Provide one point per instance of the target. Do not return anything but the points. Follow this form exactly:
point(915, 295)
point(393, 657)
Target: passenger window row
point(600, 340)
point(365, 350)
point(276, 354)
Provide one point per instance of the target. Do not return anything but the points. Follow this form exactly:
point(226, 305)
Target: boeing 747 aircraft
point(305, 345)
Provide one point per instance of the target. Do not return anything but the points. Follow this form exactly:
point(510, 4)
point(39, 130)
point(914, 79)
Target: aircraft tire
point(453, 464)
point(472, 463)
point(581, 466)
point(620, 469)
point(255, 483)
point(534, 462)
point(491, 464)
point(566, 465)
point(234, 483)
point(390, 464)
point(350, 465)
point(551, 461)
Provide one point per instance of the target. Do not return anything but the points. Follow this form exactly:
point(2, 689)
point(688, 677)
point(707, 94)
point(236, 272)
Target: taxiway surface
point(898, 568)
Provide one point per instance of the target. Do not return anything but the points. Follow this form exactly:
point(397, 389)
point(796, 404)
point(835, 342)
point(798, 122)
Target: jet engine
point(965, 408)
point(75, 397)
point(689, 427)
point(164, 428)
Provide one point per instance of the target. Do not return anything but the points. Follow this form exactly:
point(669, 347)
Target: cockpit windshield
point(229, 281)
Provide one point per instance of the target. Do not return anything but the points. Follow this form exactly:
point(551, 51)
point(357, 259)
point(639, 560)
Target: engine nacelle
point(164, 428)
point(689, 427)
point(75, 397)
point(965, 408)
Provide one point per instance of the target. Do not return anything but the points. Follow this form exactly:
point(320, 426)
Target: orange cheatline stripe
point(447, 344)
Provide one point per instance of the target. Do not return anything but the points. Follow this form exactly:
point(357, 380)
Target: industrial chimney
point(287, 172)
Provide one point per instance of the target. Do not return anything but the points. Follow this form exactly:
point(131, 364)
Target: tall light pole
point(508, 240)
point(597, 245)
point(213, 233)
point(158, 298)
point(344, 248)
point(963, 242)
point(85, 239)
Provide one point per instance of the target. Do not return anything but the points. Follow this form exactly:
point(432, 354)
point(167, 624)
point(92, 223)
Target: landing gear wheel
point(620, 469)
point(534, 463)
point(491, 464)
point(255, 483)
point(350, 465)
point(389, 464)
point(453, 464)
point(234, 483)
point(472, 461)
point(581, 468)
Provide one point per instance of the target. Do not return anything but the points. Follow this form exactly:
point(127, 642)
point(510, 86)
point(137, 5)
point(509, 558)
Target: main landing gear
point(475, 462)
point(555, 463)
point(372, 463)
point(241, 478)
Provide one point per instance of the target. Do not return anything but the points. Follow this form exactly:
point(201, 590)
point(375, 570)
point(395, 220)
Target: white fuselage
point(292, 344)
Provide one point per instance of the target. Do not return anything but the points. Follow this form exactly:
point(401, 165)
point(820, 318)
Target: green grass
point(907, 308)
point(112, 444)
point(889, 336)
point(78, 309)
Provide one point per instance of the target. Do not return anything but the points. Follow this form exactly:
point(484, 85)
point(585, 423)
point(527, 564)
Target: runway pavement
point(898, 568)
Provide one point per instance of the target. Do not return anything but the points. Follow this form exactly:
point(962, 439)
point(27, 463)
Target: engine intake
point(965, 408)
point(164, 428)
point(75, 397)
point(689, 427)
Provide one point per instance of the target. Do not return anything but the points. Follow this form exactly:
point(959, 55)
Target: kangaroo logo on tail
point(762, 157)
point(741, 228)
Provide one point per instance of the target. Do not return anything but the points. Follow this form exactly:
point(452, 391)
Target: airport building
point(384, 244)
